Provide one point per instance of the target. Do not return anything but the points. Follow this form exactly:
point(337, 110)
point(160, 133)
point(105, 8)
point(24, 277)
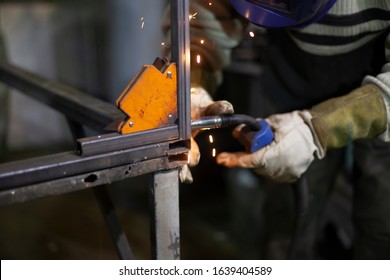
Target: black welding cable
point(236, 119)
point(301, 193)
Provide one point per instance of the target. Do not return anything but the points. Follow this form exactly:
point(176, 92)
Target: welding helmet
point(282, 13)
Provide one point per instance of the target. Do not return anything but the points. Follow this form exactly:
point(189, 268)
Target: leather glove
point(301, 134)
point(202, 105)
point(286, 158)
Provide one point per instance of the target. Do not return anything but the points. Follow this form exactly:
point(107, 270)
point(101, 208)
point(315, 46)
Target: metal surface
point(83, 181)
point(76, 105)
point(165, 224)
point(180, 42)
point(114, 141)
point(56, 166)
point(206, 123)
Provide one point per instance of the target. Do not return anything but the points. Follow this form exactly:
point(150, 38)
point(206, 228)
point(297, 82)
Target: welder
point(326, 83)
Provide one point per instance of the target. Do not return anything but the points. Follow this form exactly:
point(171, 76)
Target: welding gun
point(259, 136)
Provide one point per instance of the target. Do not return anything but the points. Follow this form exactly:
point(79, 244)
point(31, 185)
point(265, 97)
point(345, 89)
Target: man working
point(327, 77)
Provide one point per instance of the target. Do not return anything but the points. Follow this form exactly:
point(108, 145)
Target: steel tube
point(114, 141)
point(165, 225)
point(41, 169)
point(83, 181)
point(180, 50)
point(75, 104)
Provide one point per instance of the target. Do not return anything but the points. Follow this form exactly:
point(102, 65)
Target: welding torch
point(262, 133)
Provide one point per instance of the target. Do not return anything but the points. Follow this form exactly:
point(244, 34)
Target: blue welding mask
point(282, 13)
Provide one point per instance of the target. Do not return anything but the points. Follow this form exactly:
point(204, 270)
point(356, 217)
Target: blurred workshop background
point(97, 46)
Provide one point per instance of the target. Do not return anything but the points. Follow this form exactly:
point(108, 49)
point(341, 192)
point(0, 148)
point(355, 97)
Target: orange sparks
point(202, 41)
point(214, 152)
point(198, 59)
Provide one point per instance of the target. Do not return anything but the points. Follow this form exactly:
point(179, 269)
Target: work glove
point(299, 135)
point(202, 104)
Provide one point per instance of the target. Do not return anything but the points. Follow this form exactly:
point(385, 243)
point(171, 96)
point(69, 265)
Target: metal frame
point(107, 158)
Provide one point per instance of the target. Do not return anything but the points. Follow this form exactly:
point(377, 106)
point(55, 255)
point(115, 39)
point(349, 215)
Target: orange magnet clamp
point(149, 100)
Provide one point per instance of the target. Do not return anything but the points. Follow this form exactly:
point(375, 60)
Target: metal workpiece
point(114, 141)
point(180, 50)
point(20, 194)
point(165, 222)
point(62, 165)
point(76, 105)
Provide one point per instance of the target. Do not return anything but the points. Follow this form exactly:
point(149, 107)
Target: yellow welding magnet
point(150, 99)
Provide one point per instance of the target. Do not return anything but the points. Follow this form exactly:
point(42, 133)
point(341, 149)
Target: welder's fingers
point(194, 153)
point(238, 159)
point(185, 175)
point(200, 100)
point(219, 108)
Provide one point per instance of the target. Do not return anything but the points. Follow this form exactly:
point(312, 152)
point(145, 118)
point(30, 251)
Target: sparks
point(142, 22)
point(193, 16)
point(214, 152)
point(210, 3)
point(252, 34)
point(198, 59)
point(202, 41)
point(211, 139)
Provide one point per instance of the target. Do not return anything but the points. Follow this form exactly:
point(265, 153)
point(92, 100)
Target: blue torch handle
point(263, 137)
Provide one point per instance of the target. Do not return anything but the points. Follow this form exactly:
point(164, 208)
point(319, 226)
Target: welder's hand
point(287, 157)
point(202, 104)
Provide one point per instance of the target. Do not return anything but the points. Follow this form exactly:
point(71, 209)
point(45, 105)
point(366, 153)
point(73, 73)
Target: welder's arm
point(300, 135)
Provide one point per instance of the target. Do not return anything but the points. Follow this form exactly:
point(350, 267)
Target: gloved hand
point(286, 158)
point(202, 105)
point(301, 134)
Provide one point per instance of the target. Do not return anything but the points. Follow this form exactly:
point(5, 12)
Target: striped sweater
point(216, 29)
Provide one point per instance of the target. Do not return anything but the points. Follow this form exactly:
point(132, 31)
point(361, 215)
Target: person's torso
point(331, 57)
